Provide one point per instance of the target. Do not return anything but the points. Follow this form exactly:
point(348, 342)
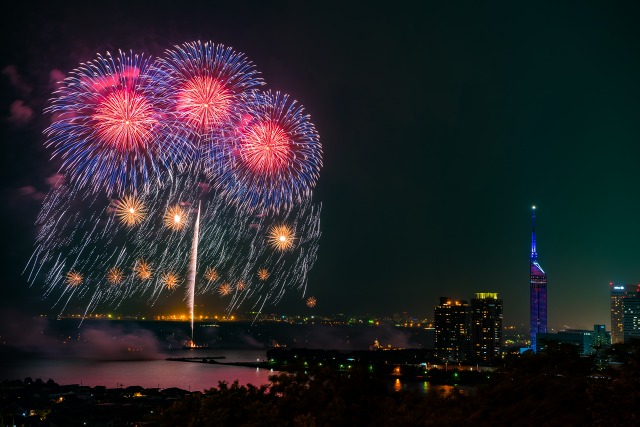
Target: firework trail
point(152, 149)
point(193, 265)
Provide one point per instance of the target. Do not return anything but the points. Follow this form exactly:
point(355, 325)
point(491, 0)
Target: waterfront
point(157, 373)
point(126, 353)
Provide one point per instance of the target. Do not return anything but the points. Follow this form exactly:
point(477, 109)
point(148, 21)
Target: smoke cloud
point(37, 337)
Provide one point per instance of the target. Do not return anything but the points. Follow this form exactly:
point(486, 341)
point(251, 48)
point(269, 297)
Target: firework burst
point(115, 276)
point(311, 302)
point(240, 285)
point(143, 270)
point(225, 289)
point(274, 158)
point(175, 218)
point(130, 210)
point(263, 274)
point(202, 84)
point(73, 278)
point(281, 237)
point(171, 280)
point(108, 127)
point(211, 275)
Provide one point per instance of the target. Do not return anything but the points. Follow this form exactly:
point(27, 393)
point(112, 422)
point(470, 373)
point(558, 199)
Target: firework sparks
point(211, 274)
point(225, 289)
point(263, 274)
point(311, 302)
point(73, 278)
point(281, 237)
point(143, 270)
point(130, 210)
point(175, 218)
point(266, 148)
point(144, 133)
point(204, 102)
point(115, 276)
point(124, 120)
point(171, 280)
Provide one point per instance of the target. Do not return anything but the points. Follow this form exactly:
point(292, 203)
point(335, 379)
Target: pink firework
point(125, 120)
point(202, 84)
point(272, 159)
point(265, 148)
point(109, 129)
point(204, 103)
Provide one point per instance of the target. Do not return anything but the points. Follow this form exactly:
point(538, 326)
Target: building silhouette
point(537, 289)
point(486, 327)
point(587, 341)
point(625, 312)
point(452, 321)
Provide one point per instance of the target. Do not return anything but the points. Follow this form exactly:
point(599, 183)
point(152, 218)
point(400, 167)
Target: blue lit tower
point(538, 289)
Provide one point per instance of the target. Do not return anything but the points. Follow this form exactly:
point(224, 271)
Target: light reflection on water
point(145, 373)
point(164, 373)
point(425, 387)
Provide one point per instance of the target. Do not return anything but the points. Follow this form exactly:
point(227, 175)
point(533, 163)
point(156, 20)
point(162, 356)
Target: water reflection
point(425, 387)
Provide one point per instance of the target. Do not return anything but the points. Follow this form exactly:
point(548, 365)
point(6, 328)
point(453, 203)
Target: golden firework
point(175, 218)
point(224, 289)
point(311, 302)
point(211, 274)
point(263, 274)
point(115, 276)
point(170, 280)
point(130, 210)
point(240, 285)
point(143, 270)
point(73, 278)
point(281, 237)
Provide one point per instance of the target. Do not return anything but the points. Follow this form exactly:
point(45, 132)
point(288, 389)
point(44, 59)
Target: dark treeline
point(554, 388)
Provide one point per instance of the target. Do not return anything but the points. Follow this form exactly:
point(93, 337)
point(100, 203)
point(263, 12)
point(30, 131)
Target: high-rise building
point(486, 327)
point(452, 321)
point(624, 312)
point(537, 289)
point(601, 338)
point(631, 318)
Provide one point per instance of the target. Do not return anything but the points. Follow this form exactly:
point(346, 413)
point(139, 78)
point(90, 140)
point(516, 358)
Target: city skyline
point(440, 124)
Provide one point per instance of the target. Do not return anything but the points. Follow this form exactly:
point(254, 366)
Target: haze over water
point(127, 353)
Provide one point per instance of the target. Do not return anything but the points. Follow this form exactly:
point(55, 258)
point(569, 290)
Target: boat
point(275, 344)
point(190, 345)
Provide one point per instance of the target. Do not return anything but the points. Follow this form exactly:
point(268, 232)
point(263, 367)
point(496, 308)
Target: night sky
point(441, 125)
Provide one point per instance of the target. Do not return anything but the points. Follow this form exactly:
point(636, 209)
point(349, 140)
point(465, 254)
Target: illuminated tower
point(538, 289)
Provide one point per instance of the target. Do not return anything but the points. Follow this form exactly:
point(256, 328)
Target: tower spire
point(534, 253)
